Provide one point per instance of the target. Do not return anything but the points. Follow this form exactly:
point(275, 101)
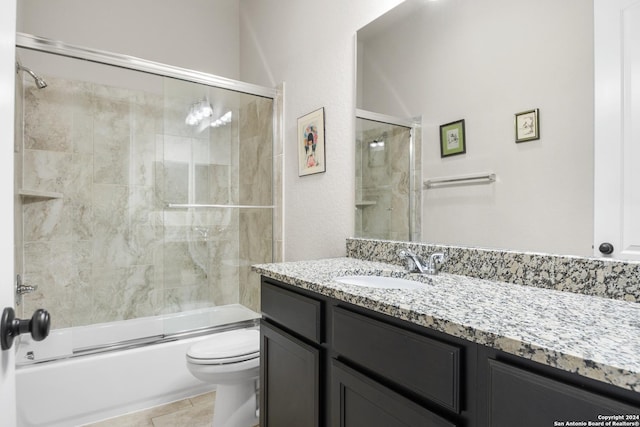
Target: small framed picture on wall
point(452, 139)
point(311, 155)
point(527, 125)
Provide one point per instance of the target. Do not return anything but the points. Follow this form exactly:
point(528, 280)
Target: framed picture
point(452, 139)
point(527, 125)
point(311, 156)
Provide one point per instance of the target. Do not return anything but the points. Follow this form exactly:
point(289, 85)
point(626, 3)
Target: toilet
point(231, 360)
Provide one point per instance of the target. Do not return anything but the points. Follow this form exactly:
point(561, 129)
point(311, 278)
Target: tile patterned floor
point(196, 411)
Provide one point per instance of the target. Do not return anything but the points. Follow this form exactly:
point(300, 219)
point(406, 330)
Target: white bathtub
point(69, 379)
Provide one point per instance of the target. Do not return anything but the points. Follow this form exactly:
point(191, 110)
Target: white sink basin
point(379, 282)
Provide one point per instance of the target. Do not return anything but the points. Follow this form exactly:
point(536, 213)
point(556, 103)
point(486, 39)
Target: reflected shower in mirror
point(385, 175)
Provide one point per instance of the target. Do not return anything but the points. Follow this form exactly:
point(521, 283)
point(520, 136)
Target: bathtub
point(87, 374)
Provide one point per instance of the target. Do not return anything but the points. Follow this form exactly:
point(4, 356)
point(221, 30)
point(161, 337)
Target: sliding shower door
point(139, 194)
point(216, 175)
point(88, 211)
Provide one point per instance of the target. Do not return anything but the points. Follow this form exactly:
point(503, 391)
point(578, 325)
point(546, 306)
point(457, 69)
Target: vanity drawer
point(425, 366)
point(293, 311)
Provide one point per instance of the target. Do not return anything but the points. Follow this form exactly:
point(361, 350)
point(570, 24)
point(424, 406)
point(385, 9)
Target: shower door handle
point(10, 327)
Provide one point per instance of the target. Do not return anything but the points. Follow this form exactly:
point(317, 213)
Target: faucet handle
point(438, 257)
point(436, 260)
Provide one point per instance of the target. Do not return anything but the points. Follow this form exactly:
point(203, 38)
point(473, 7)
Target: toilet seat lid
point(235, 344)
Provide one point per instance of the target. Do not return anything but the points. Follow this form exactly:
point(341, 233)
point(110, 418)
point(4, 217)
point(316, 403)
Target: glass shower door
point(216, 166)
point(133, 202)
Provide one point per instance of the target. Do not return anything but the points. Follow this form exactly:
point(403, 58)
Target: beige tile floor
point(196, 411)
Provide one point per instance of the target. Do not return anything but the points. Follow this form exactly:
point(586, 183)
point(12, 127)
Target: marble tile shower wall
point(256, 157)
point(108, 249)
point(591, 276)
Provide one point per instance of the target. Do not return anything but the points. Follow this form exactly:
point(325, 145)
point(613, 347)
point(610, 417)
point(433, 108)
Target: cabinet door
point(358, 401)
point(290, 375)
point(521, 398)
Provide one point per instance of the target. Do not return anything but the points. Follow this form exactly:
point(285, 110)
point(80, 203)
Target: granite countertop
point(595, 337)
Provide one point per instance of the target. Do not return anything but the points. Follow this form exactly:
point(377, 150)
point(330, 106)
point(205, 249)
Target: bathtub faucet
point(415, 264)
point(22, 289)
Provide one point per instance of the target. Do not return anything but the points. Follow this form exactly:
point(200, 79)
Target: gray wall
point(196, 34)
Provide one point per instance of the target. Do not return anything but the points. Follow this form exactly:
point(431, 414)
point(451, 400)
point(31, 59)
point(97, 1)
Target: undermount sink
point(381, 282)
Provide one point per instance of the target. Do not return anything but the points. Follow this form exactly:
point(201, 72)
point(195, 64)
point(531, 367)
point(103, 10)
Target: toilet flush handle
point(10, 327)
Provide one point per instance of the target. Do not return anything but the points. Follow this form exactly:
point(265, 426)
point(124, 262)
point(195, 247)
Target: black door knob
point(606, 248)
point(10, 327)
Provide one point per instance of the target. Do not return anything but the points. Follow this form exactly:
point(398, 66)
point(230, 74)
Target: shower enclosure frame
point(42, 44)
point(49, 46)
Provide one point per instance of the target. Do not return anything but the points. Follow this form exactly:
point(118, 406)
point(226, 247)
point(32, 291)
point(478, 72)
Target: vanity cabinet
point(329, 363)
point(290, 359)
point(358, 367)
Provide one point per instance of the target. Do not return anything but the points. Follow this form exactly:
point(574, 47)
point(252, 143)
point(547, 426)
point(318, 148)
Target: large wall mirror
point(484, 61)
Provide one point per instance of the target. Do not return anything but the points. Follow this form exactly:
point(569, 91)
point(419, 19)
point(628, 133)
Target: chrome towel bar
point(460, 180)
point(194, 205)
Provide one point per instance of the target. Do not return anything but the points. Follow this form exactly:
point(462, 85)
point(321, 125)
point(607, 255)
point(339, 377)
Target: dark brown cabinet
point(328, 363)
point(324, 362)
point(290, 359)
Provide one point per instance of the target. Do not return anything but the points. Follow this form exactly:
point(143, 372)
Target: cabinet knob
point(606, 248)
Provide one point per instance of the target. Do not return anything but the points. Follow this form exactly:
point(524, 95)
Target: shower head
point(40, 84)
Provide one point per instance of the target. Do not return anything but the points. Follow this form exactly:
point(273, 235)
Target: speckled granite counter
point(596, 337)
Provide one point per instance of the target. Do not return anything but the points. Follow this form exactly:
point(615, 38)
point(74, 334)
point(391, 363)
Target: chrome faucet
point(415, 264)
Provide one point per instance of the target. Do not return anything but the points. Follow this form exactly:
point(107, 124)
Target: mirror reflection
point(383, 186)
point(484, 61)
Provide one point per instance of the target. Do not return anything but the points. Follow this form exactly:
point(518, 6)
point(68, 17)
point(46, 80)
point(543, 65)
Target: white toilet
point(231, 360)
